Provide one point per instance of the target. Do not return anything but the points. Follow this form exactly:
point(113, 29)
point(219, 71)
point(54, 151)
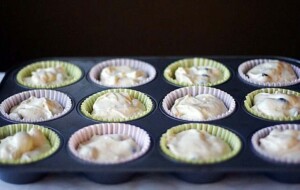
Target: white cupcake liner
point(139, 135)
point(94, 73)
point(16, 99)
point(170, 99)
point(246, 66)
point(263, 133)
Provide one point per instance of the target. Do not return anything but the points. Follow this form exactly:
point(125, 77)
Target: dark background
point(35, 29)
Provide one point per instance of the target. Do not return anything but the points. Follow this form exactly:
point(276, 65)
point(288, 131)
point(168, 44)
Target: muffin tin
point(155, 124)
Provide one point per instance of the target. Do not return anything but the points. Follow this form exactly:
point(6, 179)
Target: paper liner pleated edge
point(189, 62)
point(248, 103)
point(94, 73)
point(246, 66)
point(140, 136)
point(72, 70)
point(229, 137)
point(87, 105)
point(9, 130)
point(263, 133)
point(16, 99)
point(227, 99)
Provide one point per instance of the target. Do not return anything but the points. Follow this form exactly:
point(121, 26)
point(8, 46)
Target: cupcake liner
point(248, 103)
point(73, 71)
point(86, 107)
point(263, 133)
point(53, 138)
point(229, 137)
point(139, 135)
point(170, 99)
point(246, 66)
point(16, 99)
point(94, 74)
point(169, 72)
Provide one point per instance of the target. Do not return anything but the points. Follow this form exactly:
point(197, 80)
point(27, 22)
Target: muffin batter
point(282, 144)
point(277, 104)
point(47, 76)
point(117, 105)
point(24, 145)
point(121, 76)
point(198, 75)
point(194, 144)
point(200, 107)
point(272, 71)
point(108, 148)
point(35, 109)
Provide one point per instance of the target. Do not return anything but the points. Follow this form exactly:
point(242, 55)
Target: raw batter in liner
point(121, 76)
point(35, 108)
point(277, 104)
point(198, 75)
point(24, 145)
point(115, 105)
point(200, 107)
point(48, 76)
point(195, 144)
point(282, 144)
point(272, 71)
point(108, 148)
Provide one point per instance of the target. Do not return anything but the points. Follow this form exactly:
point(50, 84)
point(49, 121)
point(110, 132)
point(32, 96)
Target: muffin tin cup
point(169, 72)
point(95, 72)
point(16, 99)
point(200, 177)
point(170, 99)
point(25, 177)
point(263, 133)
point(229, 137)
point(284, 177)
point(9, 130)
point(246, 66)
point(248, 103)
point(139, 135)
point(86, 107)
point(21, 177)
point(109, 178)
point(72, 70)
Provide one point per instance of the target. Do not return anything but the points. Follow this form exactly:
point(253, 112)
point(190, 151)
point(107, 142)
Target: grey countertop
point(150, 181)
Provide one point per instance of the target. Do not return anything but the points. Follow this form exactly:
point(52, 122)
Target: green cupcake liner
point(87, 105)
point(230, 138)
point(9, 130)
point(248, 103)
point(169, 72)
point(73, 71)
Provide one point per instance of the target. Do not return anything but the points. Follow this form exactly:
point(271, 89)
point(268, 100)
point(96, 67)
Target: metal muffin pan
point(156, 123)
